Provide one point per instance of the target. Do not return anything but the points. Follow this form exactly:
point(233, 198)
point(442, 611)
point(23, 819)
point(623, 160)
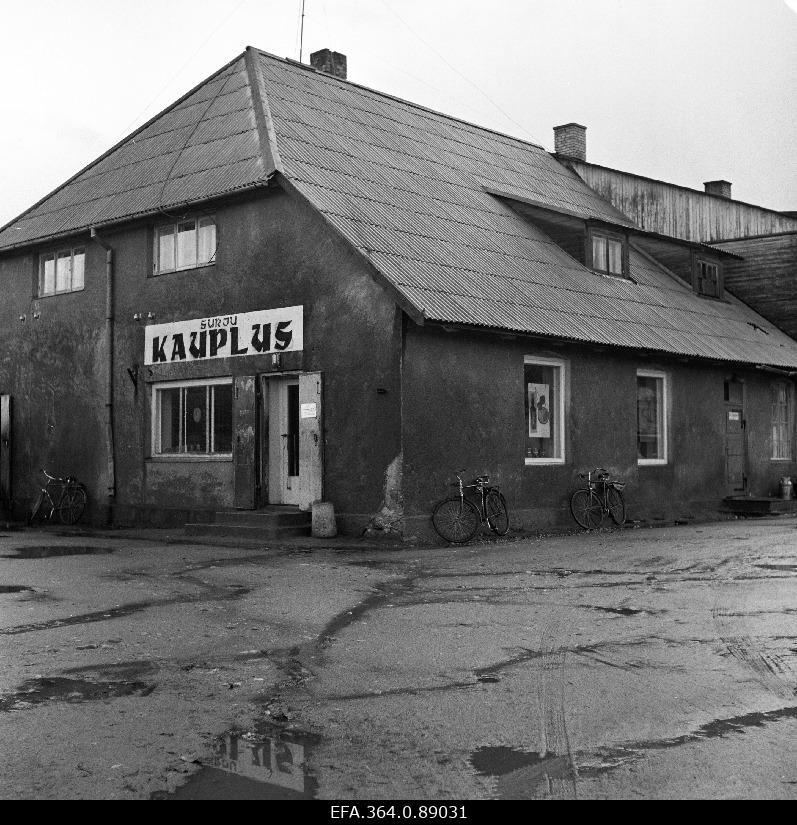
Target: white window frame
point(665, 417)
point(562, 367)
point(155, 450)
point(174, 228)
point(55, 254)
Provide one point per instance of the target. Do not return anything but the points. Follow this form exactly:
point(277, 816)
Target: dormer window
point(707, 279)
point(608, 254)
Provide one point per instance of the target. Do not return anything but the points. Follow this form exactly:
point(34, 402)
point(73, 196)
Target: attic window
point(186, 244)
point(608, 254)
point(708, 279)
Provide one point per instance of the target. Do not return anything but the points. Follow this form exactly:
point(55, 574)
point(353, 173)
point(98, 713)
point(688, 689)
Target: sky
point(679, 90)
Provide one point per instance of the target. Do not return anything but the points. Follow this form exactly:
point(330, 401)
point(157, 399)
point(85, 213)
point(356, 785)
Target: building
point(288, 287)
point(764, 273)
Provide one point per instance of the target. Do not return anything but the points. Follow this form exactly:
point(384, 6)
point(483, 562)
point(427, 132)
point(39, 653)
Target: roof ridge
point(406, 102)
point(120, 143)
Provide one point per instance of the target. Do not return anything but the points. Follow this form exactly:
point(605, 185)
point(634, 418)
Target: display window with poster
point(544, 403)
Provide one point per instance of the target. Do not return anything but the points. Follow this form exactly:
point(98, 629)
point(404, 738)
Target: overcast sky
point(681, 90)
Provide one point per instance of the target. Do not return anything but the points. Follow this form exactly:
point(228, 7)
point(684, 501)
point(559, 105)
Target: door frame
point(271, 455)
point(729, 407)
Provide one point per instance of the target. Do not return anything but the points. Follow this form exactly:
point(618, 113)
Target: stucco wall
point(273, 252)
point(464, 408)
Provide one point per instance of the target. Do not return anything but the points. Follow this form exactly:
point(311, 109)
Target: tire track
point(769, 670)
point(558, 768)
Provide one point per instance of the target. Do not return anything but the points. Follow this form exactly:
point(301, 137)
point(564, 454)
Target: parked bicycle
point(63, 496)
point(603, 495)
point(457, 519)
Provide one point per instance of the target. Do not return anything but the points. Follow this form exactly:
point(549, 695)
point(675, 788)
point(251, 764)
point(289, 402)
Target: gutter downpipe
point(109, 443)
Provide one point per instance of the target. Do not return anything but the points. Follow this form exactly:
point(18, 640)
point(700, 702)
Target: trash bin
point(324, 526)
point(785, 487)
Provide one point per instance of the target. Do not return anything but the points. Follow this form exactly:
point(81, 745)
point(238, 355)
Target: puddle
point(521, 774)
point(15, 588)
point(59, 689)
point(52, 551)
point(250, 766)
point(792, 568)
point(620, 611)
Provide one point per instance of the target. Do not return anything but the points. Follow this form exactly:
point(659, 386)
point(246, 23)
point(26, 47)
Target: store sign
point(225, 336)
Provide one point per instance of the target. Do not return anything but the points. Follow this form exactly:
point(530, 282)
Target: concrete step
point(268, 524)
point(760, 505)
point(287, 517)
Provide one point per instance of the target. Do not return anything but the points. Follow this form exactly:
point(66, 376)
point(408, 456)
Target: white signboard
point(309, 410)
point(225, 336)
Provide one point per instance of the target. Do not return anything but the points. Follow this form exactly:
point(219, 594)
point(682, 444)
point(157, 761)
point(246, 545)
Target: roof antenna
point(301, 35)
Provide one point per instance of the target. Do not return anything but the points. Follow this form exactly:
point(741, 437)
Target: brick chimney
point(330, 62)
point(720, 188)
point(570, 141)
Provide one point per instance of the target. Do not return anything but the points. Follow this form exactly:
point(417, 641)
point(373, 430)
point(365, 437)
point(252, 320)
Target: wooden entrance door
point(291, 450)
point(735, 439)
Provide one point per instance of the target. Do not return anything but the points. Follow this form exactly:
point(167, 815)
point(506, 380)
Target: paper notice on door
point(309, 411)
point(734, 416)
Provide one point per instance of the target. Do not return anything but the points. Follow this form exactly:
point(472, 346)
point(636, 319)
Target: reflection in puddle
point(246, 768)
point(14, 588)
point(53, 551)
point(524, 775)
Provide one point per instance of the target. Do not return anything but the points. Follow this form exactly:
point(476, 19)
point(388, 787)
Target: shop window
point(185, 245)
point(193, 418)
point(544, 401)
point(63, 271)
point(608, 254)
point(782, 422)
point(707, 279)
point(651, 394)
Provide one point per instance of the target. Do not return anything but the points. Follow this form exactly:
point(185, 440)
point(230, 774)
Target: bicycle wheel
point(72, 504)
point(37, 504)
point(497, 514)
point(456, 520)
point(616, 503)
point(587, 510)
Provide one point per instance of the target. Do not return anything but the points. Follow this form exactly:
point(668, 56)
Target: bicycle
point(457, 519)
point(602, 495)
point(65, 496)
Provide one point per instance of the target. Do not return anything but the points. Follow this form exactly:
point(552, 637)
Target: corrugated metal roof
point(407, 187)
point(205, 145)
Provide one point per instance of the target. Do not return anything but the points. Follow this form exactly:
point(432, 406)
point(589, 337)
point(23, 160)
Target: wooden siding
point(767, 277)
point(680, 212)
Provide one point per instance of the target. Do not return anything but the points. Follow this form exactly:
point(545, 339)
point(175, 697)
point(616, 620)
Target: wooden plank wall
point(678, 211)
point(767, 277)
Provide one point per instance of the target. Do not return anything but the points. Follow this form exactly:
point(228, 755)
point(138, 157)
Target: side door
point(735, 439)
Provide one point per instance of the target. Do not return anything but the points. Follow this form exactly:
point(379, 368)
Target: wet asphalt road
point(638, 663)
